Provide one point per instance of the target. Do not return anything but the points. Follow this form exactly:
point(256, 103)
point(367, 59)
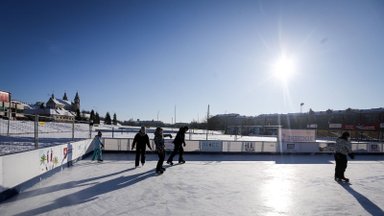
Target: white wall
point(16, 169)
point(1, 174)
point(311, 147)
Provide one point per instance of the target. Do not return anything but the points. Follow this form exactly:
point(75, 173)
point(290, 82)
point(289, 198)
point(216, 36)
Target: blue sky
point(140, 59)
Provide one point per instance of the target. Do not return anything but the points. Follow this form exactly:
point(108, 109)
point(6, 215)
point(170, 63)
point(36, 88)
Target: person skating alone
point(342, 150)
point(179, 143)
point(142, 140)
point(97, 147)
point(159, 141)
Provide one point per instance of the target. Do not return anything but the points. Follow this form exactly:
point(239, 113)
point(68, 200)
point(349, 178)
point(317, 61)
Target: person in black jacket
point(141, 139)
point(179, 142)
point(159, 141)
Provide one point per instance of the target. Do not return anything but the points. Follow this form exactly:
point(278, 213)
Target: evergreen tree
point(114, 119)
point(97, 118)
point(92, 117)
point(107, 119)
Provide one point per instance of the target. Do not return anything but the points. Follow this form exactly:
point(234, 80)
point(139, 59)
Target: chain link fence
point(22, 135)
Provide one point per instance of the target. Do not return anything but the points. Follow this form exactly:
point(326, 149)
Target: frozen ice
point(208, 184)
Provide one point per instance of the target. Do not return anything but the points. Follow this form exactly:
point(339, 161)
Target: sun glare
point(284, 68)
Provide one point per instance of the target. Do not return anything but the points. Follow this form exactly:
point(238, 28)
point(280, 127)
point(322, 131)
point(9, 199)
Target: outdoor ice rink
point(207, 185)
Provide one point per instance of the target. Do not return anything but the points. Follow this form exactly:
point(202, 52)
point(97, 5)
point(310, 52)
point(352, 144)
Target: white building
point(57, 109)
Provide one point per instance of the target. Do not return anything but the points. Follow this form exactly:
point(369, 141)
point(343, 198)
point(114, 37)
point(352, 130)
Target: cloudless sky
point(141, 59)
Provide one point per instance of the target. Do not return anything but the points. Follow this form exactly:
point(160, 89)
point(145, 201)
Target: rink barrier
point(208, 146)
point(220, 146)
point(20, 171)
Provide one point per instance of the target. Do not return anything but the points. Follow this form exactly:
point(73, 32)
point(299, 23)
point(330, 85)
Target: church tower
point(65, 96)
point(76, 104)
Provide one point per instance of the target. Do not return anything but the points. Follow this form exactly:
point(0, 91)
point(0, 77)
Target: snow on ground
point(207, 185)
point(21, 136)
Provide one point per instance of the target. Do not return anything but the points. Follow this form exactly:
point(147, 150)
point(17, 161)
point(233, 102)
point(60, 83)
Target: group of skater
point(141, 141)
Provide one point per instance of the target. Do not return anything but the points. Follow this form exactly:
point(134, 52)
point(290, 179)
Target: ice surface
point(208, 185)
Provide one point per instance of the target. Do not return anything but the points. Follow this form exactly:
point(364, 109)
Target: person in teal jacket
point(97, 147)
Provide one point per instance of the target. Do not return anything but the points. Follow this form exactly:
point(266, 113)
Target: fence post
point(90, 131)
point(9, 122)
point(113, 132)
point(73, 129)
point(36, 131)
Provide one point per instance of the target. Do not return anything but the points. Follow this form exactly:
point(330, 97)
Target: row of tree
point(94, 118)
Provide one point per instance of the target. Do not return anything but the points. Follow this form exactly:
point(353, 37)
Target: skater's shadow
point(67, 185)
point(90, 193)
point(367, 204)
point(170, 166)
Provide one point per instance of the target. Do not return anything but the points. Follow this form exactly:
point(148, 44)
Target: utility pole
point(206, 135)
point(301, 107)
point(9, 113)
point(175, 114)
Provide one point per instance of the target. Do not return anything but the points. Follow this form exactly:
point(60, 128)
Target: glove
point(351, 155)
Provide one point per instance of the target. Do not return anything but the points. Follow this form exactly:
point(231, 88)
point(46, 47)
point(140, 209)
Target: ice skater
point(179, 142)
point(342, 150)
point(159, 141)
point(98, 147)
point(142, 140)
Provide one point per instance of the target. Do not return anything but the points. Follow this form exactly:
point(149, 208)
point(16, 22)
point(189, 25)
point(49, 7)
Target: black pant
point(140, 153)
point(341, 165)
point(178, 149)
point(161, 155)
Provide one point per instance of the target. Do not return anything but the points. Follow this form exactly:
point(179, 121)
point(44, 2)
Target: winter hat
point(345, 135)
point(142, 130)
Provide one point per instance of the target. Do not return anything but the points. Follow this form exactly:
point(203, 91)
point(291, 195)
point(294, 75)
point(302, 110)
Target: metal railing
point(21, 135)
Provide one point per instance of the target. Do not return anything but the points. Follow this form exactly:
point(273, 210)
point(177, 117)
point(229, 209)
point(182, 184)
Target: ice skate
point(182, 162)
point(170, 163)
point(345, 179)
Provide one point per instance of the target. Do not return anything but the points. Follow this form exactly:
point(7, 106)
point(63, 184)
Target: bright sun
point(284, 68)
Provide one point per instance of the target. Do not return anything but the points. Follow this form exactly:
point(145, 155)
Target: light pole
point(301, 107)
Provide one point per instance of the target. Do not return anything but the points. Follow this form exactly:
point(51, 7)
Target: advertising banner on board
point(296, 136)
point(4, 96)
point(211, 145)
